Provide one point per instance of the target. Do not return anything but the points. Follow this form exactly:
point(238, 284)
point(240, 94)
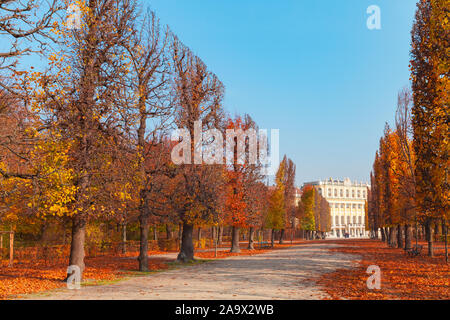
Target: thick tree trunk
point(124, 238)
point(408, 237)
point(77, 244)
point(383, 235)
point(143, 243)
point(251, 233)
point(429, 236)
point(187, 248)
point(235, 240)
point(399, 237)
point(282, 236)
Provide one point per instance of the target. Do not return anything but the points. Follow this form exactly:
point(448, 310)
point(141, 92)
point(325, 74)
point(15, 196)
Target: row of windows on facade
point(342, 205)
point(348, 220)
point(347, 193)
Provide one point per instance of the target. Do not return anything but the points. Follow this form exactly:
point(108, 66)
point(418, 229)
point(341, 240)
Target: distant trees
point(243, 207)
point(314, 213)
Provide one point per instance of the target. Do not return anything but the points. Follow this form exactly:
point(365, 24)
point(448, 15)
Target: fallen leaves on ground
point(27, 277)
point(402, 277)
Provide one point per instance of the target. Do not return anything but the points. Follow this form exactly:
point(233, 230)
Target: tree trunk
point(386, 231)
point(77, 244)
point(155, 233)
point(446, 242)
point(436, 231)
point(251, 233)
point(168, 232)
point(393, 237)
point(408, 236)
point(399, 237)
point(235, 240)
point(281, 236)
point(199, 237)
point(180, 234)
point(143, 243)
point(429, 236)
point(383, 235)
point(220, 235)
point(187, 248)
point(124, 238)
point(272, 238)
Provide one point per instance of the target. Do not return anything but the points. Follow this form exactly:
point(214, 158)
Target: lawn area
point(402, 277)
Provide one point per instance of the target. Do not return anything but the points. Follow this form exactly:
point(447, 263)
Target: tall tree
point(149, 80)
point(429, 73)
point(198, 95)
point(81, 97)
point(276, 213)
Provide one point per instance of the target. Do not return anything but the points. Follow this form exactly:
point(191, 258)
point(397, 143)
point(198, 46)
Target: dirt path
point(279, 274)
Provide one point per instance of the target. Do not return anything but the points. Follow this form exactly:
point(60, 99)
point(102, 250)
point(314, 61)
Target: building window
point(342, 193)
point(359, 219)
point(329, 192)
point(336, 205)
point(337, 220)
point(342, 220)
point(364, 194)
point(335, 192)
point(359, 194)
point(353, 193)
point(359, 206)
point(342, 205)
point(347, 193)
point(354, 206)
point(348, 205)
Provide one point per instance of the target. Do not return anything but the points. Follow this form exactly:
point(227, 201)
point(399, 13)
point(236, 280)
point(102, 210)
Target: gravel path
point(279, 274)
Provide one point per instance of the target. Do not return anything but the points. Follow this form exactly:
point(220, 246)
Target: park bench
point(265, 244)
point(414, 251)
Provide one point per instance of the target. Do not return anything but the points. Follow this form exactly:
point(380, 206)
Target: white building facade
point(347, 201)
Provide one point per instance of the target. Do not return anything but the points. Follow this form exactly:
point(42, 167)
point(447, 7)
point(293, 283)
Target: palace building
point(347, 201)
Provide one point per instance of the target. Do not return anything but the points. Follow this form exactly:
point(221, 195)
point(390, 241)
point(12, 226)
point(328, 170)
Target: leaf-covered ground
point(402, 277)
point(35, 276)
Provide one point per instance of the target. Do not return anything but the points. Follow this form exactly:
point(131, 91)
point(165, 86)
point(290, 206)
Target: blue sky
point(309, 68)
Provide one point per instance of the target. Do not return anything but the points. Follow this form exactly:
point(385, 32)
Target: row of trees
point(314, 213)
point(87, 138)
point(410, 183)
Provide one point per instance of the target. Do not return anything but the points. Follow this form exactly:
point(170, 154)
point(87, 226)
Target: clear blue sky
point(309, 68)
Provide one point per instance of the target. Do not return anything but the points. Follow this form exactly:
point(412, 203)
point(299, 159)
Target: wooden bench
point(414, 251)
